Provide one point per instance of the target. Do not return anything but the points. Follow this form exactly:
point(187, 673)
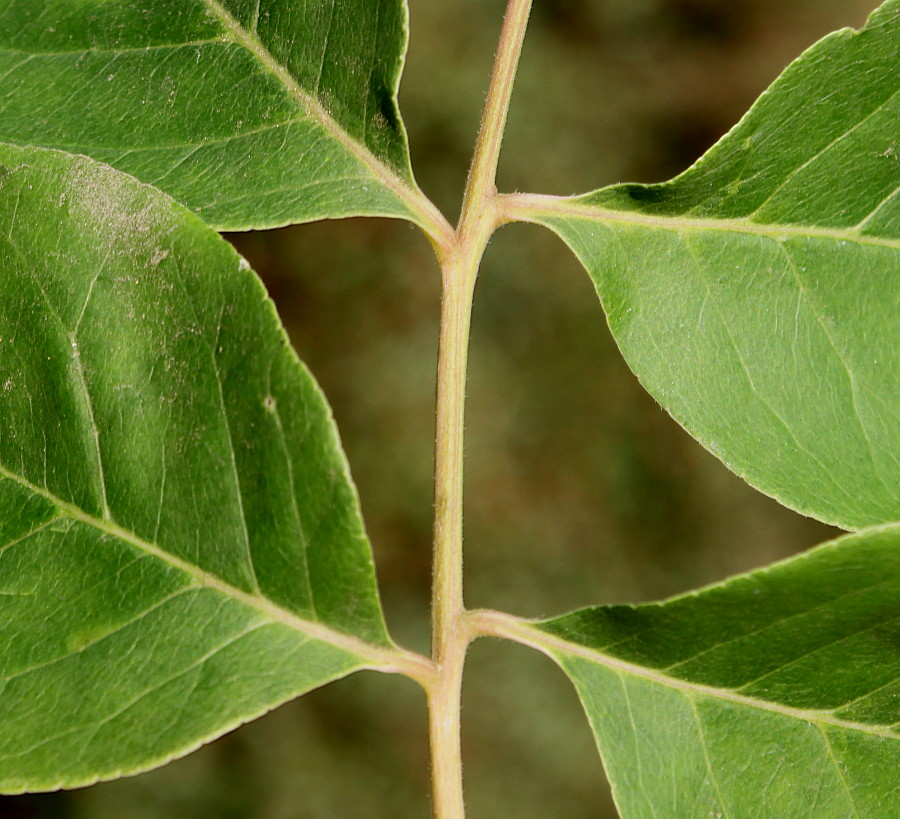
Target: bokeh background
point(579, 489)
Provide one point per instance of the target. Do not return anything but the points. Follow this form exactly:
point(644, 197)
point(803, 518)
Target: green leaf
point(756, 295)
point(253, 114)
point(181, 546)
point(776, 693)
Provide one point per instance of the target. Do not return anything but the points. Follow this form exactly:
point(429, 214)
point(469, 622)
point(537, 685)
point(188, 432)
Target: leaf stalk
point(460, 261)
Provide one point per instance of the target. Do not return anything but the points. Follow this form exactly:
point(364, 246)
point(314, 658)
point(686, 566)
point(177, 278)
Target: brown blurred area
point(579, 490)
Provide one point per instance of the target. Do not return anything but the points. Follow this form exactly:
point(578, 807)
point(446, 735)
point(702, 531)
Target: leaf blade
point(773, 691)
point(755, 294)
point(152, 91)
point(165, 460)
point(167, 684)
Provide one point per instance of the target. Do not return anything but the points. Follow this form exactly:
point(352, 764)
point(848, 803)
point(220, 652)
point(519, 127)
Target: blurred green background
point(579, 489)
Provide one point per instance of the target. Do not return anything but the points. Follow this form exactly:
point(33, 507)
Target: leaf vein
point(135, 700)
point(851, 376)
point(829, 752)
point(81, 52)
point(92, 431)
point(295, 508)
point(863, 697)
point(805, 655)
point(532, 207)
point(638, 762)
point(837, 140)
point(226, 421)
point(776, 623)
point(531, 634)
point(872, 213)
point(375, 656)
point(22, 538)
point(99, 638)
point(763, 400)
point(405, 190)
point(709, 767)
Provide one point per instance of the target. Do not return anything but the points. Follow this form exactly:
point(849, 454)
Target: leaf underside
point(253, 113)
point(776, 693)
point(181, 547)
point(756, 295)
point(180, 542)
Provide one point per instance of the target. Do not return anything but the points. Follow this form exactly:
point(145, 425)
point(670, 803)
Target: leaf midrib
point(686, 686)
point(378, 657)
point(409, 195)
point(537, 207)
point(529, 633)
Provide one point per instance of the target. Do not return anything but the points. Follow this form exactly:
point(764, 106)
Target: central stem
point(449, 626)
point(460, 260)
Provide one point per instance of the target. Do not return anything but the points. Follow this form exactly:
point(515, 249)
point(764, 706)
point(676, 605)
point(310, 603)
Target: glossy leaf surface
point(776, 693)
point(756, 296)
point(181, 547)
point(253, 114)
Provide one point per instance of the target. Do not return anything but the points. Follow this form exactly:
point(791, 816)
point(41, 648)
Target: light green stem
point(460, 260)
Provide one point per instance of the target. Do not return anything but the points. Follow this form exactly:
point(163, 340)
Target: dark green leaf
point(756, 296)
point(776, 693)
point(254, 113)
point(180, 542)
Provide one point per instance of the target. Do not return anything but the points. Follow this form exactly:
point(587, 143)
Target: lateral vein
point(378, 657)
